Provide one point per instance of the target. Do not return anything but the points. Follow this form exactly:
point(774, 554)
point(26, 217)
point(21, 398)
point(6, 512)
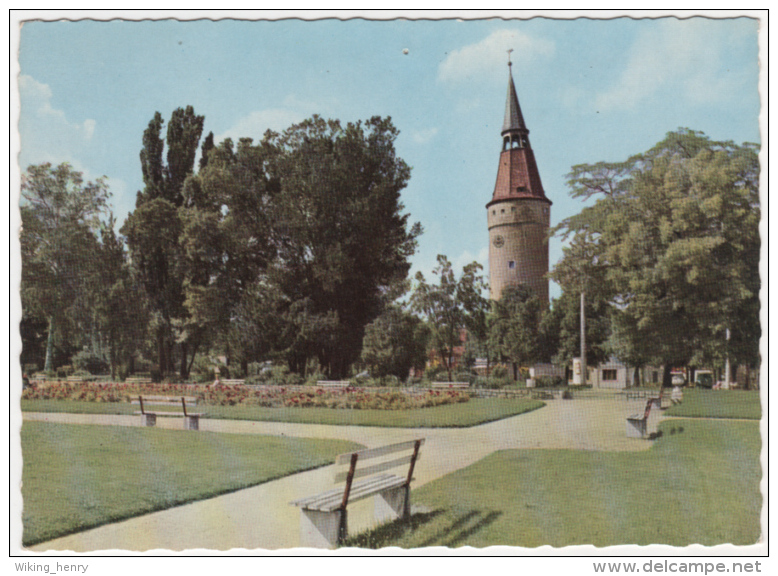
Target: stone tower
point(519, 214)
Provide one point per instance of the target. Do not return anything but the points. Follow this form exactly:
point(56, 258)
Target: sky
point(590, 90)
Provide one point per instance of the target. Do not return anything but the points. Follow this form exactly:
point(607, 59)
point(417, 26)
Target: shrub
point(202, 370)
point(123, 372)
point(464, 377)
point(279, 375)
point(500, 371)
point(30, 368)
point(91, 362)
point(64, 371)
point(491, 383)
point(432, 373)
point(549, 382)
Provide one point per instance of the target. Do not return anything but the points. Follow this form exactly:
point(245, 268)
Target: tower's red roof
point(517, 174)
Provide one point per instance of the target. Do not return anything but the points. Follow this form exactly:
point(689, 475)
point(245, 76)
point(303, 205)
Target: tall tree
point(120, 303)
point(153, 229)
point(60, 215)
point(515, 325)
point(227, 218)
point(341, 238)
point(580, 271)
point(449, 306)
point(394, 343)
point(677, 233)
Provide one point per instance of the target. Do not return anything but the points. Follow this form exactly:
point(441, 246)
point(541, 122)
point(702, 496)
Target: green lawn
point(476, 411)
point(699, 483)
point(699, 402)
point(78, 477)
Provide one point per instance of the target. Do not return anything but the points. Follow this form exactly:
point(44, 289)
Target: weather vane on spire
point(509, 57)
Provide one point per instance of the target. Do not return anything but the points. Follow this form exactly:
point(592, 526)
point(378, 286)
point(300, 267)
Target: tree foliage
point(450, 306)
point(675, 232)
point(515, 325)
point(394, 343)
point(154, 228)
point(60, 251)
point(341, 239)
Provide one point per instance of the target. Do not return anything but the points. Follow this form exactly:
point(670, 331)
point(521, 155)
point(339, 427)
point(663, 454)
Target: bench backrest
point(333, 383)
point(166, 401)
point(452, 385)
point(349, 467)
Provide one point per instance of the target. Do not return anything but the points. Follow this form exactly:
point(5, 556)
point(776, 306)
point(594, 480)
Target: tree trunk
point(666, 379)
point(161, 360)
point(191, 361)
point(49, 363)
point(747, 383)
point(636, 377)
point(184, 371)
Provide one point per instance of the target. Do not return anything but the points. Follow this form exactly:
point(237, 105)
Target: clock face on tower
point(498, 241)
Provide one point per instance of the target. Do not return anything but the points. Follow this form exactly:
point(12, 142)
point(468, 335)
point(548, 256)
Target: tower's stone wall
point(518, 244)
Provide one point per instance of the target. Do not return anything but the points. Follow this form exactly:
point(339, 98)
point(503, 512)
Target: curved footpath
point(261, 517)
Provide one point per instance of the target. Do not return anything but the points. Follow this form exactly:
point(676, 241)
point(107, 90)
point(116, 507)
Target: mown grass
point(699, 483)
point(77, 477)
point(701, 403)
point(476, 411)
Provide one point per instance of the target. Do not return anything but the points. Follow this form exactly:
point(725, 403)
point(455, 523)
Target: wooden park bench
point(191, 421)
point(333, 383)
point(542, 395)
point(324, 520)
point(450, 385)
point(232, 382)
point(637, 424)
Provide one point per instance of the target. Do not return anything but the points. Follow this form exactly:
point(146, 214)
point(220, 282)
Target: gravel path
point(260, 517)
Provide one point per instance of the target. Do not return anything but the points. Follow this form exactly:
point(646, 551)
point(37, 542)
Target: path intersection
point(260, 517)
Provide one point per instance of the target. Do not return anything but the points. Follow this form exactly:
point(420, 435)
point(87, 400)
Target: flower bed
point(224, 395)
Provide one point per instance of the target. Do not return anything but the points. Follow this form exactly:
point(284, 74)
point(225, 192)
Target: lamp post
point(583, 340)
point(726, 366)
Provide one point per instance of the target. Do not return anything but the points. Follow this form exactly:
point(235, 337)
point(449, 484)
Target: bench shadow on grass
point(450, 536)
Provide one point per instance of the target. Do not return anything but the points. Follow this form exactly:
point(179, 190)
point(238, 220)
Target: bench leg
point(148, 419)
point(392, 504)
point(636, 428)
point(322, 529)
point(191, 422)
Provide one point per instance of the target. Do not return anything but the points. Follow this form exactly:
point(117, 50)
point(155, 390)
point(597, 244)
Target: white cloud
point(258, 122)
point(489, 55)
point(424, 136)
point(255, 124)
point(46, 133)
point(467, 257)
point(681, 55)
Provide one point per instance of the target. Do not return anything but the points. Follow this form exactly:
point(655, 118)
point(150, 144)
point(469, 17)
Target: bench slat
point(172, 414)
point(375, 452)
point(335, 496)
point(164, 400)
point(375, 468)
point(331, 500)
point(333, 383)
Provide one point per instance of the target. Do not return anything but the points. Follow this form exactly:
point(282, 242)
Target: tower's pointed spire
point(513, 118)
